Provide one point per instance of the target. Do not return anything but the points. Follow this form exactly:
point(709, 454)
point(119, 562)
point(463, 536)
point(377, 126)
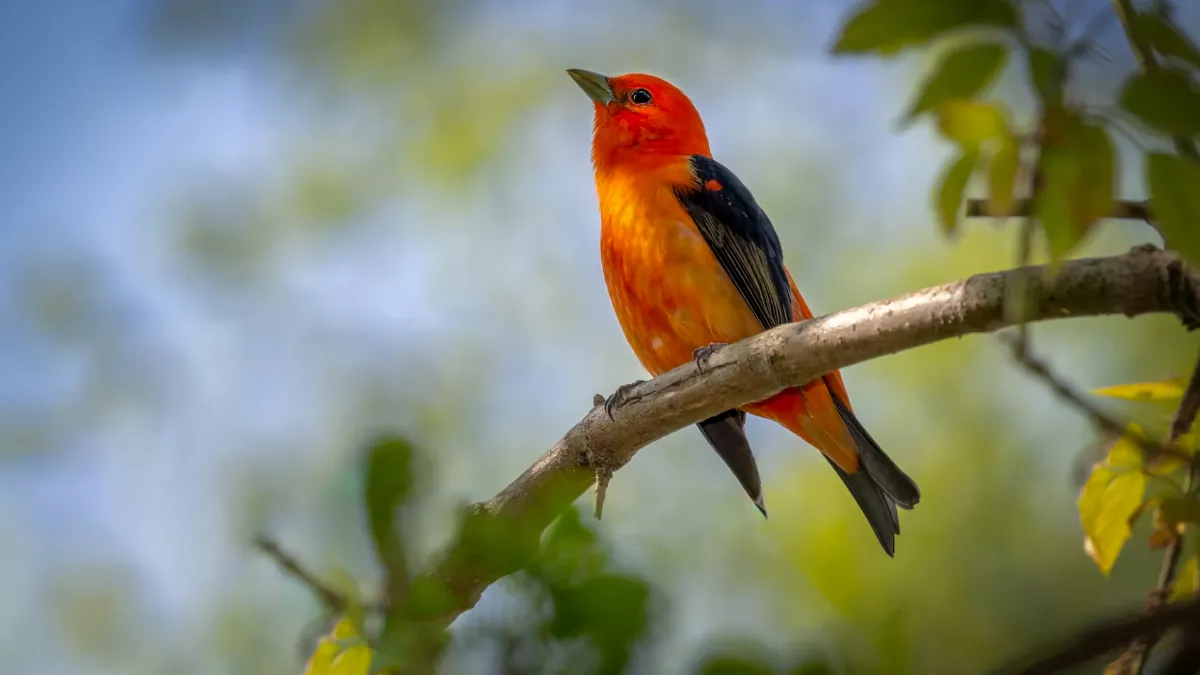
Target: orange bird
point(692, 263)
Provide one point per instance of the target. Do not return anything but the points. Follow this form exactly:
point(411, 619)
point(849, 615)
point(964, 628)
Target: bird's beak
point(595, 85)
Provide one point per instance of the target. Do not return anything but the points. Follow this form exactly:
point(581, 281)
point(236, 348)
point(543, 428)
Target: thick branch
point(1142, 281)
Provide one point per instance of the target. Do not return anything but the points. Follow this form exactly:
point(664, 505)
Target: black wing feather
point(742, 238)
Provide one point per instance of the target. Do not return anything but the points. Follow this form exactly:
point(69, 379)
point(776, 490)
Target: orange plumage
point(690, 261)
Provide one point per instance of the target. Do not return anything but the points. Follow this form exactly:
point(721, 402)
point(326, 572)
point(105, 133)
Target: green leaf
point(1167, 39)
point(1002, 176)
point(1187, 580)
point(961, 74)
point(951, 188)
point(608, 609)
point(429, 597)
point(1165, 100)
point(570, 549)
point(1162, 390)
point(888, 26)
point(489, 545)
point(971, 123)
point(1077, 170)
point(388, 483)
point(1175, 199)
point(1047, 72)
point(1112, 494)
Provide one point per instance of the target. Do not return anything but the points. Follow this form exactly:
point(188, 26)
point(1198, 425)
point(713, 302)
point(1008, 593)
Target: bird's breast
point(669, 292)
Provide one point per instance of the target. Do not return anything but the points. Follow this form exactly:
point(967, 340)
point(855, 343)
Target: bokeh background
point(239, 237)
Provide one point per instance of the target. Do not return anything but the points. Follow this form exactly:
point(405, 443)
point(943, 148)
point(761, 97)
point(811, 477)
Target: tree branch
point(1144, 280)
point(1023, 208)
point(1106, 637)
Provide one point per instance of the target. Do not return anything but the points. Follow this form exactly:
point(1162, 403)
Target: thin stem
point(333, 601)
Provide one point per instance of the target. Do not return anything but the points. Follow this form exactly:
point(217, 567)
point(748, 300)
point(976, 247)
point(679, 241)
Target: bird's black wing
point(742, 238)
point(745, 243)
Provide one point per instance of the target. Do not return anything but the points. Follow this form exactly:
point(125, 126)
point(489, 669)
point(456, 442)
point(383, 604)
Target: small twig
point(1108, 636)
point(1099, 418)
point(1023, 208)
point(603, 476)
point(333, 601)
point(1185, 414)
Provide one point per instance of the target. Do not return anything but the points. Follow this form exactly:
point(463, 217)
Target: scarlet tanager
point(692, 263)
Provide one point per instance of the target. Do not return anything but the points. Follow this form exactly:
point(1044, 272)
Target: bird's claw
point(701, 354)
point(618, 397)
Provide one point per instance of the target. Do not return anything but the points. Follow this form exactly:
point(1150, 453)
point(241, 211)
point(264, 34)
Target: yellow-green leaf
point(1187, 580)
point(1167, 39)
point(1164, 99)
point(1126, 454)
point(342, 652)
point(1112, 494)
point(1163, 390)
point(951, 187)
point(961, 74)
point(1077, 170)
point(1002, 176)
point(887, 26)
point(970, 123)
point(1175, 198)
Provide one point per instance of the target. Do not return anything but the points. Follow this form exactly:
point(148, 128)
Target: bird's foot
point(700, 354)
point(620, 397)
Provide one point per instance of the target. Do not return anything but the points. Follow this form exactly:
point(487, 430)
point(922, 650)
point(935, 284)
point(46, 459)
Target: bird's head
point(640, 118)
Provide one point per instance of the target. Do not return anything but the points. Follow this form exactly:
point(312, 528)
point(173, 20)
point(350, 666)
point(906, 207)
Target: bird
point(692, 263)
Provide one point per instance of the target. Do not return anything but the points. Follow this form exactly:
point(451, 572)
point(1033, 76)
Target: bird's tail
point(879, 486)
point(822, 418)
point(876, 505)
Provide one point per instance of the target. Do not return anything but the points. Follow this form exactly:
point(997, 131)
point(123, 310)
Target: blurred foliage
point(594, 613)
point(1074, 179)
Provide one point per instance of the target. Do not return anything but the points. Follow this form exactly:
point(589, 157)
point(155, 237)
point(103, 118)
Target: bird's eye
point(640, 96)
